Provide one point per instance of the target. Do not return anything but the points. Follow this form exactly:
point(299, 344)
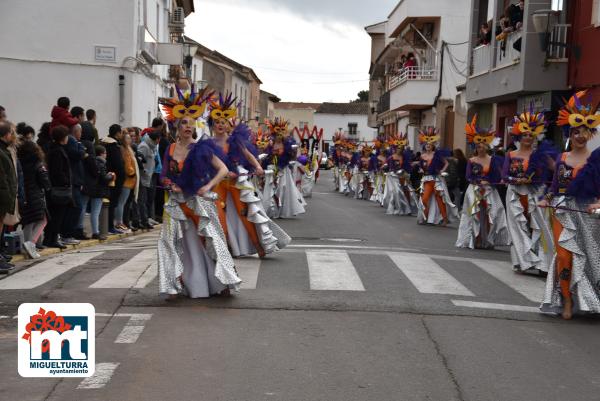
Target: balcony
point(481, 59)
point(506, 54)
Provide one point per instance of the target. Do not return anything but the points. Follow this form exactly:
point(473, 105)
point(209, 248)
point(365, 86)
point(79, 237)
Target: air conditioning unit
point(414, 117)
point(177, 17)
point(148, 52)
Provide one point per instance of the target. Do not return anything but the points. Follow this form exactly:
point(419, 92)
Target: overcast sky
point(302, 50)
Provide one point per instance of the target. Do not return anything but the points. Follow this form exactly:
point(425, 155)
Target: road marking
point(529, 286)
point(427, 276)
point(248, 269)
point(377, 248)
point(100, 378)
point(4, 317)
point(129, 273)
point(133, 328)
point(332, 270)
point(148, 276)
point(45, 271)
point(487, 305)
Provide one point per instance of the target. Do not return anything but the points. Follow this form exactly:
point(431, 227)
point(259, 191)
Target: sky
point(302, 50)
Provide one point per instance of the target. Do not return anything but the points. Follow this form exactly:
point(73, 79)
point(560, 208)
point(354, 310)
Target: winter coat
point(8, 181)
point(36, 184)
point(62, 116)
point(59, 170)
point(114, 160)
point(97, 187)
point(89, 132)
point(76, 153)
point(148, 150)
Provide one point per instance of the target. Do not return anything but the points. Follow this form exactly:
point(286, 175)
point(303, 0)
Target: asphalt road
point(362, 306)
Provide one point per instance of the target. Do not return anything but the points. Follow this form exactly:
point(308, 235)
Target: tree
point(363, 96)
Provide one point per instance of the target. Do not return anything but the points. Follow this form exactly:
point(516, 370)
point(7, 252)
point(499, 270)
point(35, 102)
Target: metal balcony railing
point(481, 59)
point(413, 74)
point(557, 49)
point(384, 103)
point(506, 54)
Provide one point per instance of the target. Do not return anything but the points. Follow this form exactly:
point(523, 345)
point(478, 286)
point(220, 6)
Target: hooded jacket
point(114, 159)
point(62, 116)
point(148, 149)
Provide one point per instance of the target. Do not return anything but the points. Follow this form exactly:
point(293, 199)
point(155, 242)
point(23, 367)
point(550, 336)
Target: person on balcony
point(485, 35)
point(411, 66)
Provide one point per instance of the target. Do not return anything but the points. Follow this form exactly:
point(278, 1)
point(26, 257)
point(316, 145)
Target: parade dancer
point(289, 202)
point(401, 197)
point(309, 159)
point(574, 273)
point(193, 257)
point(526, 171)
point(362, 176)
point(435, 205)
point(377, 173)
point(247, 227)
point(266, 184)
point(483, 219)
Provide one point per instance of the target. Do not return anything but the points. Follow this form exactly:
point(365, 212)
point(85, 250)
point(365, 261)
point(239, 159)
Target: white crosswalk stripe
point(332, 270)
point(131, 273)
point(528, 286)
point(45, 271)
point(427, 276)
point(248, 269)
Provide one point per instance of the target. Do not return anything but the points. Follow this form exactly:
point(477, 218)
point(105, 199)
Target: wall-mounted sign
point(106, 54)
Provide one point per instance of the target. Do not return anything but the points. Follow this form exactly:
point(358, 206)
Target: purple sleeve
point(554, 186)
point(506, 169)
point(165, 166)
point(469, 174)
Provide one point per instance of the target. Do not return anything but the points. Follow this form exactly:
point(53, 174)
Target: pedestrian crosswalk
point(324, 271)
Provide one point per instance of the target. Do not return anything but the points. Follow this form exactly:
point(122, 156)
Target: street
point(361, 306)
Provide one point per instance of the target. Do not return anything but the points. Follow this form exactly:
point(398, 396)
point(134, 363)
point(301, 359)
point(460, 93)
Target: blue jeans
point(121, 205)
point(96, 207)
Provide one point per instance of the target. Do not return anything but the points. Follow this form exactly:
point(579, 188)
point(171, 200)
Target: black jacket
point(36, 184)
point(59, 169)
point(97, 187)
point(114, 159)
point(8, 181)
point(76, 153)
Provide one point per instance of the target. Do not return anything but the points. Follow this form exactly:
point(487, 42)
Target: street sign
point(105, 54)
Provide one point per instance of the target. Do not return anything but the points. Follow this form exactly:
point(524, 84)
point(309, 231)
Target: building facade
point(112, 56)
point(407, 95)
point(348, 118)
point(298, 114)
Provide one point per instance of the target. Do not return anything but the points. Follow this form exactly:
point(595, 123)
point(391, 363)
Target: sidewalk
point(84, 244)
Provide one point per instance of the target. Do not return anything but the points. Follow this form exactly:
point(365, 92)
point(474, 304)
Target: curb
point(84, 244)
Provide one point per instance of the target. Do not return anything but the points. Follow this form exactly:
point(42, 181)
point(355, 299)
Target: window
point(352, 128)
point(557, 5)
point(596, 13)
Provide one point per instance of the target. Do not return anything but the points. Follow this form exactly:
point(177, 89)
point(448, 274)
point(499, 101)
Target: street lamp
point(189, 51)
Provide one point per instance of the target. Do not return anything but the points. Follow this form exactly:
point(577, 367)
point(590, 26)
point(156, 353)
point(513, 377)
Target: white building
point(402, 99)
point(103, 55)
point(349, 118)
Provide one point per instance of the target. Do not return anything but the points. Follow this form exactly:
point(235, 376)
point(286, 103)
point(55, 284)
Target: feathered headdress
point(366, 148)
point(223, 107)
point(576, 114)
point(191, 104)
point(529, 122)
point(278, 128)
point(477, 135)
point(262, 139)
point(429, 135)
point(339, 139)
point(398, 140)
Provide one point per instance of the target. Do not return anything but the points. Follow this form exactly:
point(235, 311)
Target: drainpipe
point(437, 98)
point(121, 98)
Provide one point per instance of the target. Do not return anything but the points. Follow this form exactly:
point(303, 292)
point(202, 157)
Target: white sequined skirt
point(289, 200)
point(434, 213)
point(204, 268)
point(395, 200)
point(473, 215)
point(581, 236)
point(532, 243)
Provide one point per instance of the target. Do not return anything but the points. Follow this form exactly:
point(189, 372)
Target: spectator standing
point(149, 150)
point(485, 34)
point(116, 165)
point(34, 213)
point(77, 154)
point(60, 114)
point(461, 170)
point(44, 140)
point(2, 114)
point(96, 189)
point(88, 127)
point(130, 183)
point(61, 193)
point(8, 182)
point(25, 132)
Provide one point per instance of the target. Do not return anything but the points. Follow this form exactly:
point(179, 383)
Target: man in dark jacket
point(60, 114)
point(148, 149)
point(8, 181)
point(88, 128)
point(114, 164)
